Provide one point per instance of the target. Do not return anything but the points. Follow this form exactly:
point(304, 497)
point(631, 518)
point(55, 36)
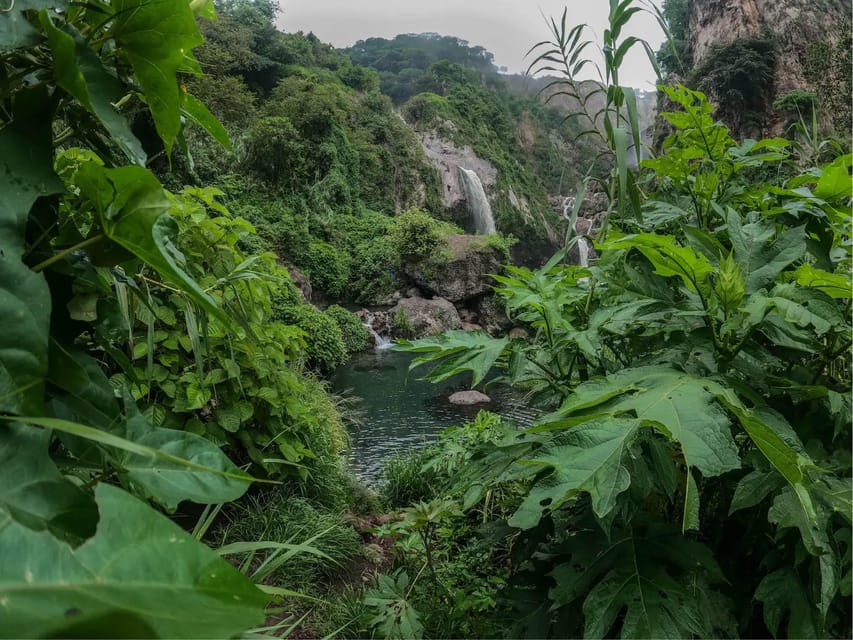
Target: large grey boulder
point(465, 273)
point(427, 317)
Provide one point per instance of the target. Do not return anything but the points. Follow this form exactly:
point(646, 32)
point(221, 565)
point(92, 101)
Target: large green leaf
point(835, 285)
point(212, 479)
point(34, 493)
point(139, 566)
point(80, 72)
point(457, 352)
point(26, 173)
point(196, 111)
point(158, 36)
point(133, 210)
point(761, 253)
point(678, 404)
point(784, 597)
point(15, 30)
point(670, 259)
point(167, 465)
point(636, 586)
point(586, 458)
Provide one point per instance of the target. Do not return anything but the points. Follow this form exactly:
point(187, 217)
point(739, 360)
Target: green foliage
point(417, 237)
point(127, 579)
point(401, 324)
point(699, 376)
point(293, 520)
point(325, 348)
point(405, 481)
point(119, 312)
point(355, 335)
point(327, 267)
point(798, 102)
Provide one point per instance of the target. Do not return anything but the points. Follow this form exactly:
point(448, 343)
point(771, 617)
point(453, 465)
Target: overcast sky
point(507, 28)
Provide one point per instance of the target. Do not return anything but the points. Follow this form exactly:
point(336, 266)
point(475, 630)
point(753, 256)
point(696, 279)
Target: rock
point(390, 300)
point(302, 283)
point(428, 317)
point(465, 274)
point(492, 315)
point(447, 158)
point(471, 326)
point(468, 316)
point(469, 398)
point(518, 333)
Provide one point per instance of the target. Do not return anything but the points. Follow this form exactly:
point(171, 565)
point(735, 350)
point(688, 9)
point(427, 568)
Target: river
point(401, 411)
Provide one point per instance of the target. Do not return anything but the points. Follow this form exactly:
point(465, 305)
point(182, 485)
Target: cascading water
point(478, 204)
point(584, 244)
point(381, 343)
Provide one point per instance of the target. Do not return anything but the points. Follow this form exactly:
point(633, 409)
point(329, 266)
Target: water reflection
point(401, 411)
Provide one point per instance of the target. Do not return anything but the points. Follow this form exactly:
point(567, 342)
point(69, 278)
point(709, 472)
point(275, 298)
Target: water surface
point(401, 411)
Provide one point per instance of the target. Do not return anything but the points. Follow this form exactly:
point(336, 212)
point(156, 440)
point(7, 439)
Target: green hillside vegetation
point(171, 457)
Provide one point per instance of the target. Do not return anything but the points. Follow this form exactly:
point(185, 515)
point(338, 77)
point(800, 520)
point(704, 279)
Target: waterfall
point(478, 204)
point(583, 251)
point(381, 342)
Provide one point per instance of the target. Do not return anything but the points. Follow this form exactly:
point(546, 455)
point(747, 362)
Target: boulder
point(518, 333)
point(469, 398)
point(428, 317)
point(302, 283)
point(465, 273)
point(492, 315)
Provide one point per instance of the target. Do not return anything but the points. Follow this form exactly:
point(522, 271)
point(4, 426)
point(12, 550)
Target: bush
point(355, 335)
point(401, 325)
point(406, 482)
point(279, 517)
point(416, 236)
point(274, 152)
point(371, 278)
point(328, 268)
point(325, 348)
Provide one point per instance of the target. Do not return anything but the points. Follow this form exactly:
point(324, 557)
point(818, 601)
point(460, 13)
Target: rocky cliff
point(805, 54)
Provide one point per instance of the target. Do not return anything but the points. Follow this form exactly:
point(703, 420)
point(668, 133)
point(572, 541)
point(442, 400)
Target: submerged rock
point(469, 398)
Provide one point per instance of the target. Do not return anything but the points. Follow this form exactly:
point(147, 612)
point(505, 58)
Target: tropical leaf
point(139, 570)
point(760, 252)
point(588, 458)
point(679, 405)
point(133, 207)
point(157, 38)
point(785, 599)
point(167, 465)
point(26, 173)
point(80, 72)
point(33, 491)
point(636, 586)
point(457, 352)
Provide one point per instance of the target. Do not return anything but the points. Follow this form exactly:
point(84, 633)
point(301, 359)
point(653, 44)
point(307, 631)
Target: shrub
point(328, 268)
point(416, 236)
point(372, 278)
point(401, 325)
point(355, 335)
point(406, 482)
point(278, 517)
point(325, 348)
point(274, 152)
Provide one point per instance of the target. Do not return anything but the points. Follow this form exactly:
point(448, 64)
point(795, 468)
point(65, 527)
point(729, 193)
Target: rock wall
point(447, 158)
point(795, 24)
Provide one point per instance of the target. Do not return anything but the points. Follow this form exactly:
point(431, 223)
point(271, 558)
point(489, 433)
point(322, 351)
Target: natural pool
point(401, 411)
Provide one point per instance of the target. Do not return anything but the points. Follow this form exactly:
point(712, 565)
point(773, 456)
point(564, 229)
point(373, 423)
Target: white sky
point(507, 28)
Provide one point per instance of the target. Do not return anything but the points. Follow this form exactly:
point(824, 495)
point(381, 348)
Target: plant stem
point(66, 252)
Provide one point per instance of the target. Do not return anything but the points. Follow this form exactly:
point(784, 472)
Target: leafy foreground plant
point(694, 479)
point(80, 556)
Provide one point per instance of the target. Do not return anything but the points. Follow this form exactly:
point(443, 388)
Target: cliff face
point(796, 27)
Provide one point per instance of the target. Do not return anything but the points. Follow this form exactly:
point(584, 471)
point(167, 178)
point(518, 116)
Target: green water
point(401, 412)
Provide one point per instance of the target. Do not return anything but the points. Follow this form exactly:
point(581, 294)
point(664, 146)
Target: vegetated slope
point(766, 62)
point(452, 92)
point(324, 159)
